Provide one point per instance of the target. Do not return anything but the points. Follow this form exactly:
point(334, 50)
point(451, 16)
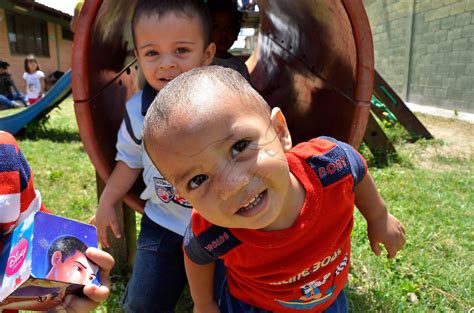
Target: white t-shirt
point(163, 206)
point(33, 84)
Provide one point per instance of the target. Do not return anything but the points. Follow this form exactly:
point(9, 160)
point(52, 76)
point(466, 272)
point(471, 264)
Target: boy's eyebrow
point(181, 42)
point(80, 264)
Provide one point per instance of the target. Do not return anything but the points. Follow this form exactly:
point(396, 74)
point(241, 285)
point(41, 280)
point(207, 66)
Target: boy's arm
point(382, 227)
point(119, 183)
point(201, 284)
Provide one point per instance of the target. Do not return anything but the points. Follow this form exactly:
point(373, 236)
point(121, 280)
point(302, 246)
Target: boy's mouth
point(167, 79)
point(253, 206)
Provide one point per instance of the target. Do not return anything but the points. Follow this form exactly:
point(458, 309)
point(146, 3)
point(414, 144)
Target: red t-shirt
point(303, 267)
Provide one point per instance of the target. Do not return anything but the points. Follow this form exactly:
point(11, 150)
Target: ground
point(456, 139)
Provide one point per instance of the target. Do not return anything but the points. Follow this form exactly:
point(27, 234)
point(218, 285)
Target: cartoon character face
point(75, 269)
point(230, 164)
point(169, 45)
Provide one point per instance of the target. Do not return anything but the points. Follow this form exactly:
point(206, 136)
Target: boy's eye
point(239, 146)
point(182, 50)
point(196, 181)
point(151, 53)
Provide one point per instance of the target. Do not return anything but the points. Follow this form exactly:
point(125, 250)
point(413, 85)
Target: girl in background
point(34, 80)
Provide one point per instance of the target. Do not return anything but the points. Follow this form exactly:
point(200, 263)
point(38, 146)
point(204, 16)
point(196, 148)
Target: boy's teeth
point(252, 203)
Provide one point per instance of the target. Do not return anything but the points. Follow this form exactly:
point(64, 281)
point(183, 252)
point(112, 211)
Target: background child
point(18, 199)
point(9, 94)
point(34, 79)
point(279, 217)
point(170, 37)
point(225, 30)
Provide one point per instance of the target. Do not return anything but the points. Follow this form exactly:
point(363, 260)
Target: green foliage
point(431, 194)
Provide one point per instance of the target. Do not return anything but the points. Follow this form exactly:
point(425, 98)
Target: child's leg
point(158, 277)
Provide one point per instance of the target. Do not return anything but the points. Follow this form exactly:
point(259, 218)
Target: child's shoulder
point(314, 147)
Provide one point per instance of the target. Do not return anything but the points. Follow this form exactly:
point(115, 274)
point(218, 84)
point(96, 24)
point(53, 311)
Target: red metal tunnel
point(314, 59)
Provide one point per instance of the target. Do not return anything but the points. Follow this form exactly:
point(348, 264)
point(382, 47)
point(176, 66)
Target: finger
point(115, 229)
point(375, 247)
point(92, 220)
point(102, 234)
point(96, 293)
point(391, 253)
point(104, 260)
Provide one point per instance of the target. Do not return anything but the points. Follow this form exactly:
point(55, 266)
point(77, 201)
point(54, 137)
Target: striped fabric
point(18, 197)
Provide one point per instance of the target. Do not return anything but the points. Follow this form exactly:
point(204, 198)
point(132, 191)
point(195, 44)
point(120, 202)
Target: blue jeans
point(229, 304)
point(7, 100)
point(158, 277)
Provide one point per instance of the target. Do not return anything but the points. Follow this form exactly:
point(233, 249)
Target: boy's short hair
point(177, 95)
point(68, 246)
point(188, 8)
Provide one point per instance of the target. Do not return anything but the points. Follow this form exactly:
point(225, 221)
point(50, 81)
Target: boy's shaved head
point(160, 8)
point(188, 98)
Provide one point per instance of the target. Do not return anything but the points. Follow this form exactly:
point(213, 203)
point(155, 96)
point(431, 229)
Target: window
point(27, 35)
point(67, 34)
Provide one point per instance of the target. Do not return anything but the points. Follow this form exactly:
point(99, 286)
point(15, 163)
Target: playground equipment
point(60, 90)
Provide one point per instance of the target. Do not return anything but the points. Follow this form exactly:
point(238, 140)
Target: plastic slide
point(314, 59)
point(60, 90)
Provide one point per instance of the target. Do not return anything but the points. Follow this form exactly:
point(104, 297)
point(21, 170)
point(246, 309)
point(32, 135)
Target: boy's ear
point(209, 54)
point(279, 124)
point(56, 257)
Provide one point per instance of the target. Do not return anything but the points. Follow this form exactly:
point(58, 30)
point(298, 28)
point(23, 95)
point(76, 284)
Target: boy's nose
point(167, 63)
point(231, 184)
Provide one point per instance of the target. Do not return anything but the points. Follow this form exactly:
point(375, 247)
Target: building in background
point(29, 27)
point(425, 50)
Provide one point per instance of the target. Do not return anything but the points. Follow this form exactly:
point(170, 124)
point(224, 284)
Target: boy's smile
point(169, 45)
point(228, 160)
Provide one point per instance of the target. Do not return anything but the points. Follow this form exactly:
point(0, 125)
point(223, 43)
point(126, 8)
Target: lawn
point(429, 187)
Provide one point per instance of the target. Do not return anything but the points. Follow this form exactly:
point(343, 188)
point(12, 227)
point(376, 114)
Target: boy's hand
point(105, 218)
point(209, 308)
point(388, 231)
point(93, 294)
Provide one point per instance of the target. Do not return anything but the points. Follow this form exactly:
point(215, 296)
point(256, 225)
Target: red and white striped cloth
point(18, 197)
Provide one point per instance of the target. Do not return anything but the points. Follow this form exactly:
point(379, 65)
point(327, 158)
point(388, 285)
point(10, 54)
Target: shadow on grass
point(363, 302)
point(54, 134)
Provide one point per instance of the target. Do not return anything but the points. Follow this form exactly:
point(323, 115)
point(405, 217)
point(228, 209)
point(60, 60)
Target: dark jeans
point(7, 100)
point(229, 304)
point(158, 277)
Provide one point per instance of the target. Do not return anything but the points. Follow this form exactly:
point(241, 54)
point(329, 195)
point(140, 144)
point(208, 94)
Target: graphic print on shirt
point(166, 192)
point(312, 291)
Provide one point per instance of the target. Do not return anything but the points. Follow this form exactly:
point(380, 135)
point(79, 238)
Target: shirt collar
point(148, 96)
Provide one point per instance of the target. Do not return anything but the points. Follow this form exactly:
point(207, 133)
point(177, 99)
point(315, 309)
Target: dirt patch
point(454, 140)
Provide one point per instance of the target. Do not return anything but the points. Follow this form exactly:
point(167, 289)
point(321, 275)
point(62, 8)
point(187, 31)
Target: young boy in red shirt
point(279, 217)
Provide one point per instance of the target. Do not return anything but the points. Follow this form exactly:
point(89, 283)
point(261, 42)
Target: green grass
point(431, 194)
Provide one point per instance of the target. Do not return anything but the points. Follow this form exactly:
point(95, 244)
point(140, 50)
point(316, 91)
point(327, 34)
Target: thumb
point(375, 247)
